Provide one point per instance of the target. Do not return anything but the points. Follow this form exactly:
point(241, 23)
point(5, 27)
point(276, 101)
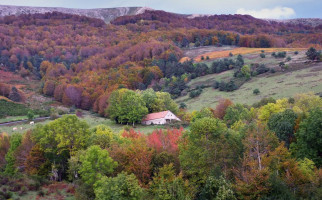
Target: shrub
point(231, 54)
point(272, 70)
point(262, 69)
point(296, 52)
point(30, 115)
point(256, 91)
point(195, 93)
point(202, 57)
point(313, 54)
point(207, 58)
point(216, 85)
point(262, 55)
point(291, 100)
point(182, 105)
point(288, 58)
point(264, 102)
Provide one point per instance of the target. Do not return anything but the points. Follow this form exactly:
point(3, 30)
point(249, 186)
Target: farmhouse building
point(160, 118)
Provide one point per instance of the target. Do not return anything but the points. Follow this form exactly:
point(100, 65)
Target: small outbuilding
point(163, 117)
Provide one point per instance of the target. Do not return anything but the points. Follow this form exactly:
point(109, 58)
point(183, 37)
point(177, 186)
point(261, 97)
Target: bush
point(281, 54)
point(262, 55)
point(272, 70)
point(288, 58)
point(30, 115)
point(264, 102)
point(207, 58)
point(231, 54)
point(256, 91)
point(262, 69)
point(296, 52)
point(228, 87)
point(291, 100)
point(313, 54)
point(202, 57)
point(183, 105)
point(216, 85)
point(195, 93)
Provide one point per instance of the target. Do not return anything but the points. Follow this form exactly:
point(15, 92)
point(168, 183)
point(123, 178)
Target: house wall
point(169, 116)
point(155, 121)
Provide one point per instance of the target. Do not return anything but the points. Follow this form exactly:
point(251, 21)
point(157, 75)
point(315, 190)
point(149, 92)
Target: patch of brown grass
point(242, 51)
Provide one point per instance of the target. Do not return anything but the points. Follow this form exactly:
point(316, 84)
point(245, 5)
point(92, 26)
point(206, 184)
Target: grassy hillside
point(299, 77)
point(272, 85)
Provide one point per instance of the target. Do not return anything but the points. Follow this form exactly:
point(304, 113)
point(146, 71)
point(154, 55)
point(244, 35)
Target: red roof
point(158, 115)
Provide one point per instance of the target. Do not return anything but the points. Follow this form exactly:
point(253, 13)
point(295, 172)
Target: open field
point(277, 85)
point(90, 119)
point(241, 50)
point(209, 79)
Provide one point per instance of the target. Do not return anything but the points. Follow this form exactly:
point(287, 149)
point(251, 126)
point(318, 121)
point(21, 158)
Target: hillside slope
point(105, 14)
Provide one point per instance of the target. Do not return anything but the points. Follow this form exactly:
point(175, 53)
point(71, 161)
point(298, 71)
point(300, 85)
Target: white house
point(160, 118)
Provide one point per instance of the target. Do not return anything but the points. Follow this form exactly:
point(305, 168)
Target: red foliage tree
point(22, 152)
point(134, 158)
point(165, 141)
point(49, 88)
point(72, 96)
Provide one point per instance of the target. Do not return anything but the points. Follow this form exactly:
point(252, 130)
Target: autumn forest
point(90, 84)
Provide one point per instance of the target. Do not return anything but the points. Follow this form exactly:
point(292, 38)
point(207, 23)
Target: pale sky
point(278, 9)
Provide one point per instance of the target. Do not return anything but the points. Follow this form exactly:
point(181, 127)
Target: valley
point(138, 103)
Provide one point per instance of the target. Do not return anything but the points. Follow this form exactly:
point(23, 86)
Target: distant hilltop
point(105, 14)
point(109, 14)
point(305, 21)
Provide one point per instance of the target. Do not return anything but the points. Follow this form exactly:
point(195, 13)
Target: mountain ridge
point(109, 14)
point(105, 14)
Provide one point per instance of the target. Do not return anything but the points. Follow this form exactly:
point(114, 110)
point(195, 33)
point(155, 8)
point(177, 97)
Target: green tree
point(61, 139)
point(313, 54)
point(126, 106)
point(64, 134)
point(309, 138)
point(167, 186)
point(183, 105)
point(30, 115)
point(204, 112)
point(103, 136)
point(283, 124)
point(256, 91)
point(149, 96)
point(95, 164)
point(166, 102)
point(245, 70)
point(217, 189)
point(235, 113)
point(209, 146)
point(15, 141)
point(240, 61)
point(123, 186)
